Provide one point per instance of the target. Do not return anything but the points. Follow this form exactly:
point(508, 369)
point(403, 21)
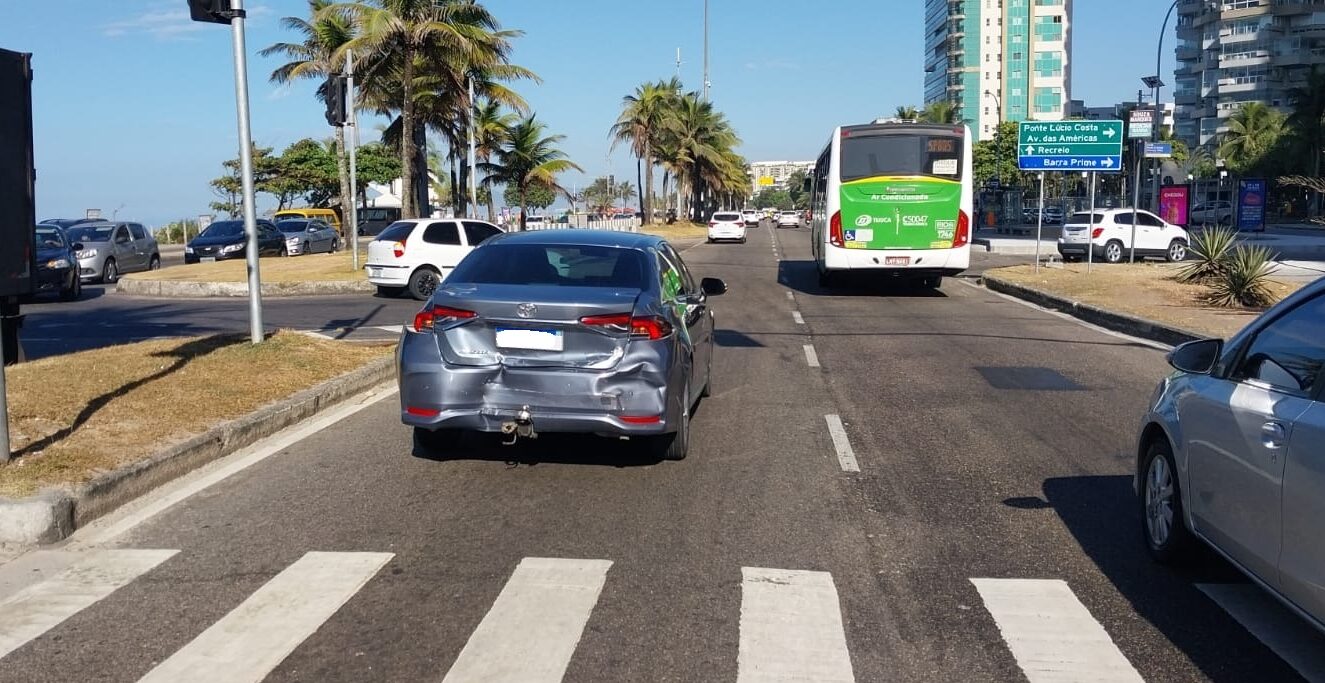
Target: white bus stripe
point(532, 629)
point(1273, 624)
point(811, 358)
point(38, 608)
point(250, 641)
point(846, 457)
point(791, 628)
point(796, 315)
point(1051, 634)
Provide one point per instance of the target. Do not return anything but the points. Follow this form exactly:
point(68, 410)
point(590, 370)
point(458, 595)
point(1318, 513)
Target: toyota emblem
point(526, 310)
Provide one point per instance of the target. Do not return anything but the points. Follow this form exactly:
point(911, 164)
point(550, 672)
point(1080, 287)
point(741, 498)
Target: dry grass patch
point(1143, 290)
point(306, 268)
point(74, 416)
point(677, 230)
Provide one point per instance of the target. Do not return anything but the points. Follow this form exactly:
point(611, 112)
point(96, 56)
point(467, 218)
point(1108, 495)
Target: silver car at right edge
point(1232, 453)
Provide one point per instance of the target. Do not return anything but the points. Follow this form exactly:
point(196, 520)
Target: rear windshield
point(292, 226)
point(726, 216)
point(865, 156)
point(396, 232)
point(556, 265)
point(224, 229)
point(95, 233)
point(1085, 217)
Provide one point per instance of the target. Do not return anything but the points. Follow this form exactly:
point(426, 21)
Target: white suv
point(789, 219)
point(1110, 236)
point(417, 254)
point(727, 225)
point(751, 216)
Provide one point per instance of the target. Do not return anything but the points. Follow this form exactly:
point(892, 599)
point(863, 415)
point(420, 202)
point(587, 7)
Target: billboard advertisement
point(1251, 204)
point(1174, 201)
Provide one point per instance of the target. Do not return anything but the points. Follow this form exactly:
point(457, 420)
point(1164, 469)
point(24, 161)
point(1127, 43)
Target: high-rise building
point(773, 175)
point(999, 59)
point(1231, 52)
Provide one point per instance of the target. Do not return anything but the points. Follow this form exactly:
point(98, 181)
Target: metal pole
point(246, 175)
point(706, 50)
point(352, 120)
point(473, 155)
point(1158, 119)
point(5, 455)
point(1090, 236)
point(1136, 198)
point(1039, 224)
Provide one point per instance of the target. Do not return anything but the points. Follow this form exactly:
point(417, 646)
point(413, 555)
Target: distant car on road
point(113, 248)
point(726, 226)
point(1216, 212)
point(374, 219)
point(1230, 453)
point(1110, 236)
point(227, 240)
point(417, 254)
point(304, 236)
point(535, 222)
point(57, 263)
point(750, 216)
point(789, 219)
point(584, 331)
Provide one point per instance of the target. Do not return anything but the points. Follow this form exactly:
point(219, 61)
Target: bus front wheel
point(828, 279)
point(935, 282)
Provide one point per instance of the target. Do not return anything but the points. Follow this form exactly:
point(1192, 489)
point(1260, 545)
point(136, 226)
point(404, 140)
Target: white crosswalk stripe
point(36, 609)
point(250, 641)
point(1051, 634)
point(791, 628)
point(533, 628)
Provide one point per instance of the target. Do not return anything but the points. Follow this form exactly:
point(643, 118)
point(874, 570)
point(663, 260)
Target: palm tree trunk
point(646, 190)
point(639, 184)
point(408, 150)
point(523, 208)
point(343, 169)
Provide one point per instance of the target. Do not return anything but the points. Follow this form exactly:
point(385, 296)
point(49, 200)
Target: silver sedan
point(561, 331)
point(308, 236)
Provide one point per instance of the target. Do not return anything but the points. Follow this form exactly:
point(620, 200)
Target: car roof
point(580, 237)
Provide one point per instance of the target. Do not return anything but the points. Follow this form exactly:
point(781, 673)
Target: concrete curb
point(1118, 322)
point(53, 514)
point(196, 290)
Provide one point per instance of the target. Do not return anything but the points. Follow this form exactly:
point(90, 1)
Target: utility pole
point(473, 155)
point(352, 120)
point(706, 50)
point(1138, 146)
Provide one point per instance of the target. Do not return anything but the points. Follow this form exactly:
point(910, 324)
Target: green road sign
point(1070, 145)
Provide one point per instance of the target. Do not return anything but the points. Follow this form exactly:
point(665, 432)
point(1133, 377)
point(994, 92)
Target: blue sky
point(134, 104)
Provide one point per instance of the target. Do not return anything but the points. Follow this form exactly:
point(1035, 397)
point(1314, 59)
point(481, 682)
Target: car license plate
point(537, 340)
point(207, 259)
point(374, 272)
point(897, 260)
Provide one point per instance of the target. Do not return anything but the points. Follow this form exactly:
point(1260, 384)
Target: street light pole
point(352, 120)
point(706, 50)
point(1154, 100)
point(246, 173)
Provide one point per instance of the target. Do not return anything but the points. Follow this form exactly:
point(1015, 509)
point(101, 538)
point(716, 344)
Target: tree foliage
point(773, 199)
point(538, 195)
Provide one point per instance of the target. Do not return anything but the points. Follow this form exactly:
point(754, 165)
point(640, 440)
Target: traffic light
point(213, 11)
point(335, 97)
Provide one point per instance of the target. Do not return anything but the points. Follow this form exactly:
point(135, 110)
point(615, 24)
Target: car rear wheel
point(675, 446)
point(1177, 251)
point(1113, 252)
point(423, 283)
point(437, 440)
point(1162, 523)
point(110, 273)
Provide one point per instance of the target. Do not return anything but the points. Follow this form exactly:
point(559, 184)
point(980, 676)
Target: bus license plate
point(897, 260)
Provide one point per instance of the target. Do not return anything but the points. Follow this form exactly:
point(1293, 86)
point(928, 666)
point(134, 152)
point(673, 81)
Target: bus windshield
point(893, 154)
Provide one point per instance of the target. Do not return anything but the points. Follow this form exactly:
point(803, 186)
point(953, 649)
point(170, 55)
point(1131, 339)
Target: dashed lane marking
point(796, 315)
point(811, 358)
point(846, 457)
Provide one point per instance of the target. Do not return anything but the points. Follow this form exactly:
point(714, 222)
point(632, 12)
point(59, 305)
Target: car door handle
point(1273, 435)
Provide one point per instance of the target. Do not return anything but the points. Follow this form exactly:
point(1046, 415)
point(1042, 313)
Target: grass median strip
point(676, 230)
point(75, 416)
point(1143, 290)
point(307, 268)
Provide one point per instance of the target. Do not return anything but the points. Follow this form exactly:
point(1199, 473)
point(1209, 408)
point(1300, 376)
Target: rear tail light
point(713, 224)
point(644, 327)
point(1095, 234)
point(398, 248)
point(428, 318)
point(963, 230)
point(835, 229)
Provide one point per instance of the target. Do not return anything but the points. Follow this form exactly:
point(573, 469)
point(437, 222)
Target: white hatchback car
point(1110, 236)
point(727, 225)
point(418, 253)
point(789, 219)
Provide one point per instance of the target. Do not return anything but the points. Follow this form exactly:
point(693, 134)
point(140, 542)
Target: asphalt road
point(990, 532)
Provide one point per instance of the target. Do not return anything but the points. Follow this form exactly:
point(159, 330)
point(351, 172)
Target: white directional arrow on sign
point(1109, 132)
point(1108, 162)
point(1030, 149)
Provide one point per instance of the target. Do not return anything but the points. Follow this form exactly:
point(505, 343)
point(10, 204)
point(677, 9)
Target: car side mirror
point(712, 286)
point(76, 246)
point(1197, 357)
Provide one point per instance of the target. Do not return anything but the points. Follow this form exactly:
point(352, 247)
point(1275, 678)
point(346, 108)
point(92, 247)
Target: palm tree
point(1308, 120)
point(703, 142)
point(939, 112)
point(525, 156)
point(324, 34)
point(1252, 132)
point(639, 125)
point(400, 39)
point(490, 125)
point(908, 113)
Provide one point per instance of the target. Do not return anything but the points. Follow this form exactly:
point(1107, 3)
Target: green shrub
point(1243, 279)
point(1212, 248)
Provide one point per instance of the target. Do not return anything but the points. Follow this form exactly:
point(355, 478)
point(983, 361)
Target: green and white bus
point(894, 199)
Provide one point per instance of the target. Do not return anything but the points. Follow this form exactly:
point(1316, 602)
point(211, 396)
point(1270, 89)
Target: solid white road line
point(250, 641)
point(1273, 624)
point(535, 624)
point(39, 608)
point(845, 456)
point(796, 315)
point(811, 358)
point(1070, 318)
point(1051, 634)
point(791, 628)
point(397, 329)
point(138, 511)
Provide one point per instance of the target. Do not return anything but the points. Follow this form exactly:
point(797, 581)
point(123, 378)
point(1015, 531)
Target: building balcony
point(1185, 97)
point(1236, 60)
point(1315, 55)
point(1187, 51)
point(1231, 88)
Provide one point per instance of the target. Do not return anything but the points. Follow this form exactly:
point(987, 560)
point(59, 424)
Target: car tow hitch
point(522, 425)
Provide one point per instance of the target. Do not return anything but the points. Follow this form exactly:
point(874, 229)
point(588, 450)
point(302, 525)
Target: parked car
point(418, 254)
point(1053, 215)
point(226, 240)
point(726, 225)
point(535, 222)
point(374, 219)
point(67, 223)
point(1230, 453)
point(789, 219)
point(57, 263)
point(1110, 236)
point(1217, 212)
point(750, 216)
point(561, 331)
point(111, 249)
point(304, 236)
point(328, 216)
